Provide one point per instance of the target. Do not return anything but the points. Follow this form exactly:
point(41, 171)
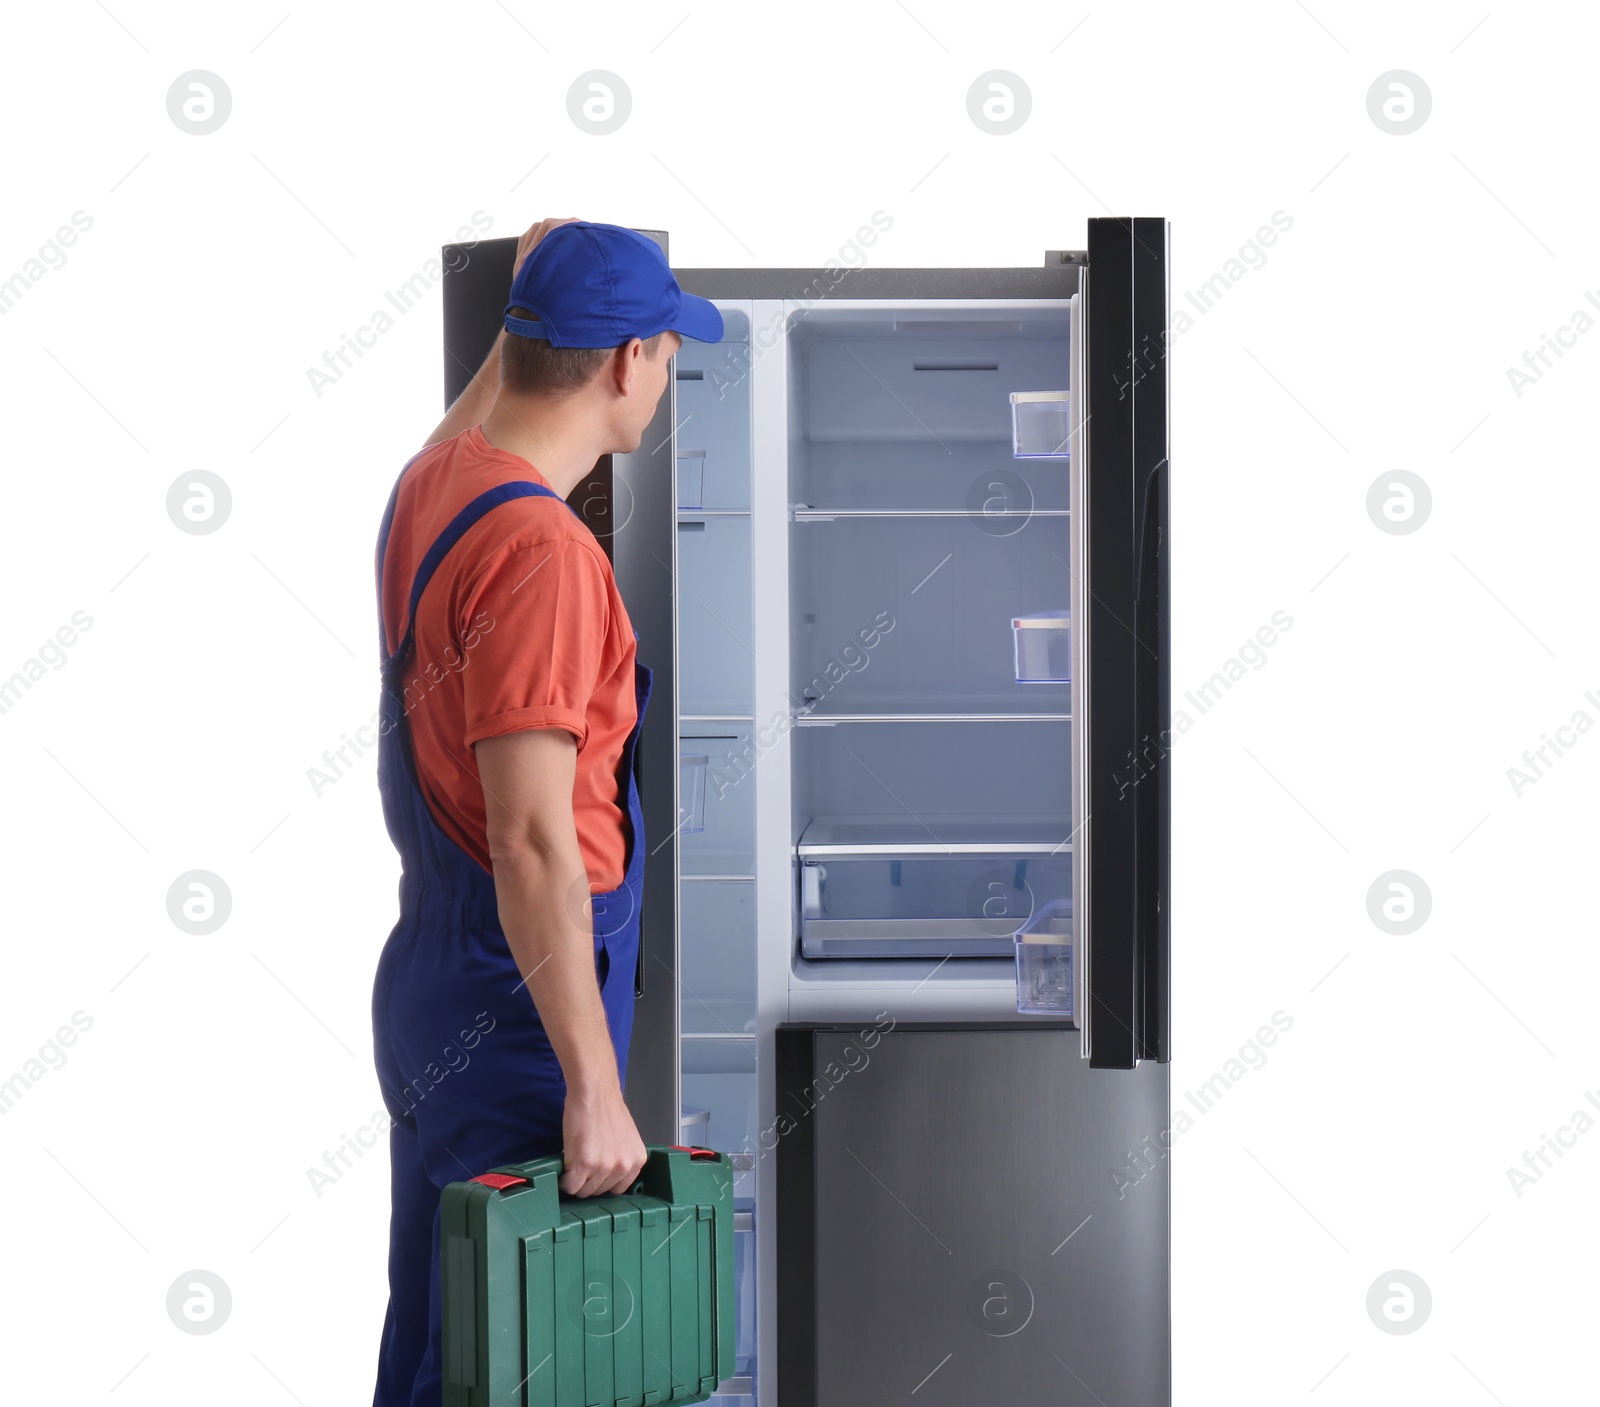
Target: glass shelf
point(935, 834)
point(921, 901)
point(821, 718)
point(828, 515)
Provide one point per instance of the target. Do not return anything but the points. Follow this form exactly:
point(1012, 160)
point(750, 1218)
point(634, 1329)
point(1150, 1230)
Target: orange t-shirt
point(521, 627)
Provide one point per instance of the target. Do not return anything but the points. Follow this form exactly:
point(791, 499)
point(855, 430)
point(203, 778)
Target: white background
point(1376, 337)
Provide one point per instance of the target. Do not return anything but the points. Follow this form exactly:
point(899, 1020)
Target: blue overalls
point(468, 1074)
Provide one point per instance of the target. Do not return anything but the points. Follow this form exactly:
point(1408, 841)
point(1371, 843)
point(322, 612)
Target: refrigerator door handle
point(1082, 836)
point(1153, 799)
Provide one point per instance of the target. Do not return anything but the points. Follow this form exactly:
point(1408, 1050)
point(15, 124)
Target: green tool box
point(556, 1301)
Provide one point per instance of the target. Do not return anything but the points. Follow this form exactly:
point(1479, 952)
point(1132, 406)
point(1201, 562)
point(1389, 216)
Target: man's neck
point(556, 437)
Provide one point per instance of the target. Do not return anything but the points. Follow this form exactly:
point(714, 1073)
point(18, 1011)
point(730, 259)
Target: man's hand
point(534, 234)
point(602, 1149)
point(473, 404)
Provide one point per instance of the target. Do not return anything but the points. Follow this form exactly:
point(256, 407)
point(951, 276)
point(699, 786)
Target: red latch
point(499, 1181)
point(701, 1153)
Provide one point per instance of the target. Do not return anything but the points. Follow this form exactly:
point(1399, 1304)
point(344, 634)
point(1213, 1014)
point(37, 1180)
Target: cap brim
point(699, 319)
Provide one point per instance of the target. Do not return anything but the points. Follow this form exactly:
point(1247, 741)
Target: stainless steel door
point(969, 1214)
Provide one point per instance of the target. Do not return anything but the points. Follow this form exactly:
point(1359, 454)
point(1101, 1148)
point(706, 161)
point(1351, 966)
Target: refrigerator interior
point(930, 789)
point(845, 475)
point(716, 783)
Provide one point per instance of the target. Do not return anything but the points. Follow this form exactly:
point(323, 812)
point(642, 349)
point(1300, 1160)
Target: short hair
point(530, 366)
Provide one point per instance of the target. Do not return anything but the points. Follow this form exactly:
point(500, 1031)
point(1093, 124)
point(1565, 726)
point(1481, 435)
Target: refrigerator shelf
point(929, 903)
point(827, 515)
point(900, 938)
point(890, 835)
point(815, 719)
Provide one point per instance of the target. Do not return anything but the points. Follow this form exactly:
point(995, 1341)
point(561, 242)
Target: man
point(503, 1000)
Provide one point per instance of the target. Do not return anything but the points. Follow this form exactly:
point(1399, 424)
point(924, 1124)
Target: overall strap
point(383, 547)
point(491, 498)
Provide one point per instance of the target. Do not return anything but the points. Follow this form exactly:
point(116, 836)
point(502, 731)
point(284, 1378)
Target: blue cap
point(592, 285)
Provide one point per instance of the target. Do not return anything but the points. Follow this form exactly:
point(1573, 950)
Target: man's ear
point(625, 365)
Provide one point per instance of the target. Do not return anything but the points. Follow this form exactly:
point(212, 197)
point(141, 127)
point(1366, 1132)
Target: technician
point(511, 707)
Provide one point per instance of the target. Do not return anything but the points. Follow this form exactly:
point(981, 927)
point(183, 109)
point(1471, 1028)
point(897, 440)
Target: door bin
point(1044, 960)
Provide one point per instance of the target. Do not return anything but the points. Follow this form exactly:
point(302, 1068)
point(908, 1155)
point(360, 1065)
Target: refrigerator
point(897, 550)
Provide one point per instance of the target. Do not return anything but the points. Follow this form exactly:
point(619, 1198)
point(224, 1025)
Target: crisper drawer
point(924, 906)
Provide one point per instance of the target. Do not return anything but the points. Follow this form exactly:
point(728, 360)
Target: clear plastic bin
point(1043, 647)
point(744, 1281)
point(920, 906)
point(691, 478)
point(1040, 424)
point(1044, 960)
point(692, 791)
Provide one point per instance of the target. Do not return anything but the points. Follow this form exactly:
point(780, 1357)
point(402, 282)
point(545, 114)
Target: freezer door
point(627, 503)
point(1122, 696)
point(967, 1215)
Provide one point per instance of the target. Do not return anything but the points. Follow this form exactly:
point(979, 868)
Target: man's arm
point(473, 404)
point(542, 890)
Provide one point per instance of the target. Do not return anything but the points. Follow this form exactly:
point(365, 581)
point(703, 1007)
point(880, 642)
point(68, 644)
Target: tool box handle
point(514, 1175)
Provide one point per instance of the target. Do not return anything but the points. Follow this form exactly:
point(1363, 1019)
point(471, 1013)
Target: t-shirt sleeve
point(534, 639)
